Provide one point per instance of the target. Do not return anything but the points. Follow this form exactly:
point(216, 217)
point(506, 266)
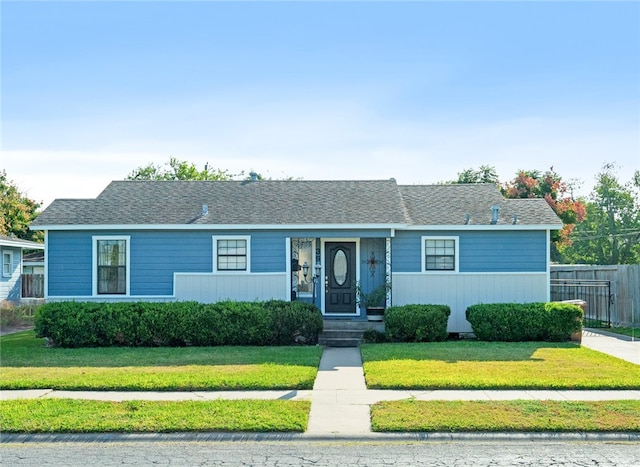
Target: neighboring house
point(33, 262)
point(255, 240)
point(11, 280)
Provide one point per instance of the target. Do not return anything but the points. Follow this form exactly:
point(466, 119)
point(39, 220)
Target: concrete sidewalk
point(622, 347)
point(340, 400)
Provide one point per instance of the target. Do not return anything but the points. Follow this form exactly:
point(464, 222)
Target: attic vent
point(467, 219)
point(254, 176)
point(205, 209)
point(515, 219)
point(495, 210)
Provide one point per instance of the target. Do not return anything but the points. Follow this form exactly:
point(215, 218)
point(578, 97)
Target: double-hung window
point(111, 265)
point(440, 253)
point(231, 254)
point(7, 263)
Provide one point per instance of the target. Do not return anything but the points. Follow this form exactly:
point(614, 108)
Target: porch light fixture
point(305, 273)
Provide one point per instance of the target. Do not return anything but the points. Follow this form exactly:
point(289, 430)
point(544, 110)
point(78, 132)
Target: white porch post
point(387, 256)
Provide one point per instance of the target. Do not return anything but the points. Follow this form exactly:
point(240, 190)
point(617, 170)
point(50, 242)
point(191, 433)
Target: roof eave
point(486, 227)
point(85, 227)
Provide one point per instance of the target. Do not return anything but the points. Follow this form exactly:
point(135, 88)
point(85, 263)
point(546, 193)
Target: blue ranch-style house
point(299, 240)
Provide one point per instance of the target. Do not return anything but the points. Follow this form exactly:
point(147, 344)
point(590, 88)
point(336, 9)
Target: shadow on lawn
point(23, 349)
point(457, 351)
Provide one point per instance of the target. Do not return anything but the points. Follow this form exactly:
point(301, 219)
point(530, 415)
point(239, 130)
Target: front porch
point(346, 332)
point(335, 273)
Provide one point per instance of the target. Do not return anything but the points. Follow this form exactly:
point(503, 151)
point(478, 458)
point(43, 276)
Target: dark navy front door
point(340, 278)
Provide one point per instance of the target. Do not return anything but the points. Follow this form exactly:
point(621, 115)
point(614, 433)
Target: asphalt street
point(323, 453)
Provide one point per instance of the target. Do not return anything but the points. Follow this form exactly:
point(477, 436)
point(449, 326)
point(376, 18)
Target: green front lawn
point(511, 416)
point(28, 364)
point(494, 365)
point(83, 416)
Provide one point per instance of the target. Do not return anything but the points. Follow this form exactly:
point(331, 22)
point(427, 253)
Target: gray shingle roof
point(301, 202)
point(450, 204)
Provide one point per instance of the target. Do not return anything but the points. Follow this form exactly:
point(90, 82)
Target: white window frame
point(423, 260)
point(94, 279)
point(246, 238)
point(8, 273)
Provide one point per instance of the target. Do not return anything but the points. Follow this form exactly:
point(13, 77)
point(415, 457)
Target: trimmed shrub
point(564, 320)
point(294, 322)
point(87, 324)
point(416, 323)
point(511, 322)
point(516, 322)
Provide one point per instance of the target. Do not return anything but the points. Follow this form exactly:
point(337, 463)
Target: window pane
point(112, 266)
point(440, 254)
point(112, 280)
point(301, 253)
point(232, 255)
point(112, 252)
point(6, 264)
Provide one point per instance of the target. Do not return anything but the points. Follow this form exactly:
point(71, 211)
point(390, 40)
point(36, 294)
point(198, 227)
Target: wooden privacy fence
point(32, 285)
point(624, 295)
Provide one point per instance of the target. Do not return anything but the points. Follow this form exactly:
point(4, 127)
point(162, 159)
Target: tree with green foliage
point(484, 174)
point(16, 211)
point(178, 170)
point(550, 186)
point(611, 231)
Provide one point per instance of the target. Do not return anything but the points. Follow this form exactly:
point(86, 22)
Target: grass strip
point(28, 364)
point(172, 378)
point(23, 349)
point(631, 332)
point(83, 416)
point(494, 365)
point(506, 416)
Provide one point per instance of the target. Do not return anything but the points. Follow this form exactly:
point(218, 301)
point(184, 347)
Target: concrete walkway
point(340, 400)
point(623, 347)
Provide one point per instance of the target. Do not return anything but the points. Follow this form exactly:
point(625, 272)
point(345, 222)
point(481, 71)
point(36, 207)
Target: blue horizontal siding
point(518, 251)
point(268, 252)
point(406, 252)
point(480, 251)
point(69, 263)
point(155, 256)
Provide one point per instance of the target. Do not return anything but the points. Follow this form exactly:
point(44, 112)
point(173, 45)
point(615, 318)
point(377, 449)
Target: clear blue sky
point(418, 91)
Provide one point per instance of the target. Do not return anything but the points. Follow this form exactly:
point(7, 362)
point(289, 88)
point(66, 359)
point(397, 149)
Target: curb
point(631, 437)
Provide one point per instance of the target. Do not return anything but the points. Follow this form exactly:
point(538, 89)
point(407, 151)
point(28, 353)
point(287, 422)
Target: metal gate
point(596, 294)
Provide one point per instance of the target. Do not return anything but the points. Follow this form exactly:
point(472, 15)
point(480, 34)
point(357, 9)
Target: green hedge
point(515, 322)
point(145, 324)
point(416, 323)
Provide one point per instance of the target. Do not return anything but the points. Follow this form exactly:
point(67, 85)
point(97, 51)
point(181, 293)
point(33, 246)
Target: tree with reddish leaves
point(550, 186)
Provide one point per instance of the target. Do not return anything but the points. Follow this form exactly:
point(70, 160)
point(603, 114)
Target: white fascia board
point(462, 227)
point(219, 227)
point(24, 244)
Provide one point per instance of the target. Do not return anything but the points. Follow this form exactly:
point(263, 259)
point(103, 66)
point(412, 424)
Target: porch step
point(345, 333)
